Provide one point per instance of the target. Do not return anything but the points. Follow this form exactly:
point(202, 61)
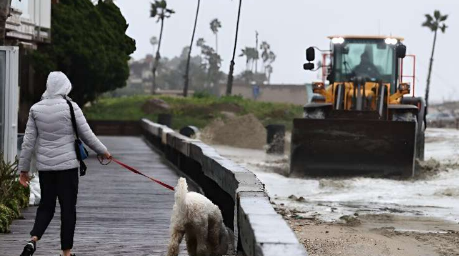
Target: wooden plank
point(119, 213)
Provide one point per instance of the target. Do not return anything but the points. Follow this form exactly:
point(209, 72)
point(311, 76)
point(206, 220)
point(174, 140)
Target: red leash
point(137, 172)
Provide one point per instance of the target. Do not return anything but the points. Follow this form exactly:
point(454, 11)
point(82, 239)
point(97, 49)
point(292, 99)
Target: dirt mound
point(154, 106)
point(242, 131)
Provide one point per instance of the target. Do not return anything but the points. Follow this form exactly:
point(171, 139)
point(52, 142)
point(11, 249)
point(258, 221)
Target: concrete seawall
point(246, 208)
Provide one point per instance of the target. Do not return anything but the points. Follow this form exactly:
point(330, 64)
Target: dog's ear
point(182, 186)
point(182, 181)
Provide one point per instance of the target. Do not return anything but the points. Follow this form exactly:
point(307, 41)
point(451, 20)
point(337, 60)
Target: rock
point(293, 197)
point(301, 199)
point(350, 220)
point(155, 106)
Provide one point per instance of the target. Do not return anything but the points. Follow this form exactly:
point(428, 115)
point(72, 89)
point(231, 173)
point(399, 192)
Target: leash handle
point(138, 172)
point(101, 160)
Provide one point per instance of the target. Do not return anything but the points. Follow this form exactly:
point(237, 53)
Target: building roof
point(366, 37)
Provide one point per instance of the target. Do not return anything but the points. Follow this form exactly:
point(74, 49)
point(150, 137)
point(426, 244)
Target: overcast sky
point(290, 26)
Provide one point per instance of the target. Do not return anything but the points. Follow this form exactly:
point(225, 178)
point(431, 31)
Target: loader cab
point(374, 59)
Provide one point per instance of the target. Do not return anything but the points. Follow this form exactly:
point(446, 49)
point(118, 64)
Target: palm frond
point(429, 18)
point(437, 14)
point(443, 18)
point(427, 24)
point(163, 4)
point(153, 13)
point(443, 28)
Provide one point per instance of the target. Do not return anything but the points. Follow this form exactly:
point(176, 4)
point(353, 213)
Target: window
point(371, 59)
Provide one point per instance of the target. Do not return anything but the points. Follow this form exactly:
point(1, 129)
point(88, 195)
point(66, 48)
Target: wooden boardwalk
point(119, 213)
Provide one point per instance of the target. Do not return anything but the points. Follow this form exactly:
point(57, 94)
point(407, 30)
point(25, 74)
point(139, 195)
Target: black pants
point(64, 186)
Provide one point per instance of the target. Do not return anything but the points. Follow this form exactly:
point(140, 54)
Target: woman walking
point(50, 135)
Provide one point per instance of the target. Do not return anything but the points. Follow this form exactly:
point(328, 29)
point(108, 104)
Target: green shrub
point(21, 194)
point(13, 196)
point(14, 206)
point(202, 94)
point(199, 110)
point(6, 217)
point(8, 176)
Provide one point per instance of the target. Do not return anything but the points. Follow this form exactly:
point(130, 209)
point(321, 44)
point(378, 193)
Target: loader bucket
point(346, 147)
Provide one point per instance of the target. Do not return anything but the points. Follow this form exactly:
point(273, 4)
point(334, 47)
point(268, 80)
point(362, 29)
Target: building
point(28, 26)
point(29, 23)
point(140, 74)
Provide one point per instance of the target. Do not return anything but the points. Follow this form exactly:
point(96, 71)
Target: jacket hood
point(57, 85)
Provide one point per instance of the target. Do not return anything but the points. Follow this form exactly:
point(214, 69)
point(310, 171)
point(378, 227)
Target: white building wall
point(30, 20)
point(23, 6)
point(41, 12)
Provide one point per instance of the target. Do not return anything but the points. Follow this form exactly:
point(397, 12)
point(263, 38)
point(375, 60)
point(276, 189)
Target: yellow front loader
point(362, 118)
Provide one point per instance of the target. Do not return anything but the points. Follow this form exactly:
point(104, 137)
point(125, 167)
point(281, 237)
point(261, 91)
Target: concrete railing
point(246, 208)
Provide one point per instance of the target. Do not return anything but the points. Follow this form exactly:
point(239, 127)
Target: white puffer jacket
point(49, 130)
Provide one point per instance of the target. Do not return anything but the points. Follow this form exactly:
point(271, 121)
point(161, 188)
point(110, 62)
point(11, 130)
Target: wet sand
point(368, 216)
point(376, 235)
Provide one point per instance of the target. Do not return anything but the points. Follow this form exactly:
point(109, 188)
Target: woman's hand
point(24, 179)
point(107, 155)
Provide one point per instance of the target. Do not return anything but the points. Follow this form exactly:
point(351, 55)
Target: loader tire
point(419, 147)
point(420, 143)
point(420, 136)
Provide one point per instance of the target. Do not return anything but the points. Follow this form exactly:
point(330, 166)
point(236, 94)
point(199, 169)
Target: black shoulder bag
point(80, 150)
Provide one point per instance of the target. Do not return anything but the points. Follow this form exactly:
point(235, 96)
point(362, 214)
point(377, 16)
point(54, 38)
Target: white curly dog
point(200, 221)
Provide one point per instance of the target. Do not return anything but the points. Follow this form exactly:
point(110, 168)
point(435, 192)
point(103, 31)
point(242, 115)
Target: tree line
point(90, 44)
point(212, 60)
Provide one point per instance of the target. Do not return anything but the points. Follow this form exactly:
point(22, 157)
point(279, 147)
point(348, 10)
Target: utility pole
point(256, 48)
point(229, 85)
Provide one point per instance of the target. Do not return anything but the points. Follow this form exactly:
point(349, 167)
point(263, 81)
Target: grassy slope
point(193, 110)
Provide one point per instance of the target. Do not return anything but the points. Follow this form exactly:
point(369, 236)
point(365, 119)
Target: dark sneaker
point(29, 249)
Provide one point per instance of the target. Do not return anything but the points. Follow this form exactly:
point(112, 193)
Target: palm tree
point(5, 6)
point(229, 86)
point(251, 55)
point(268, 67)
point(256, 48)
point(434, 24)
point(187, 70)
point(159, 9)
point(268, 58)
point(265, 49)
point(215, 25)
